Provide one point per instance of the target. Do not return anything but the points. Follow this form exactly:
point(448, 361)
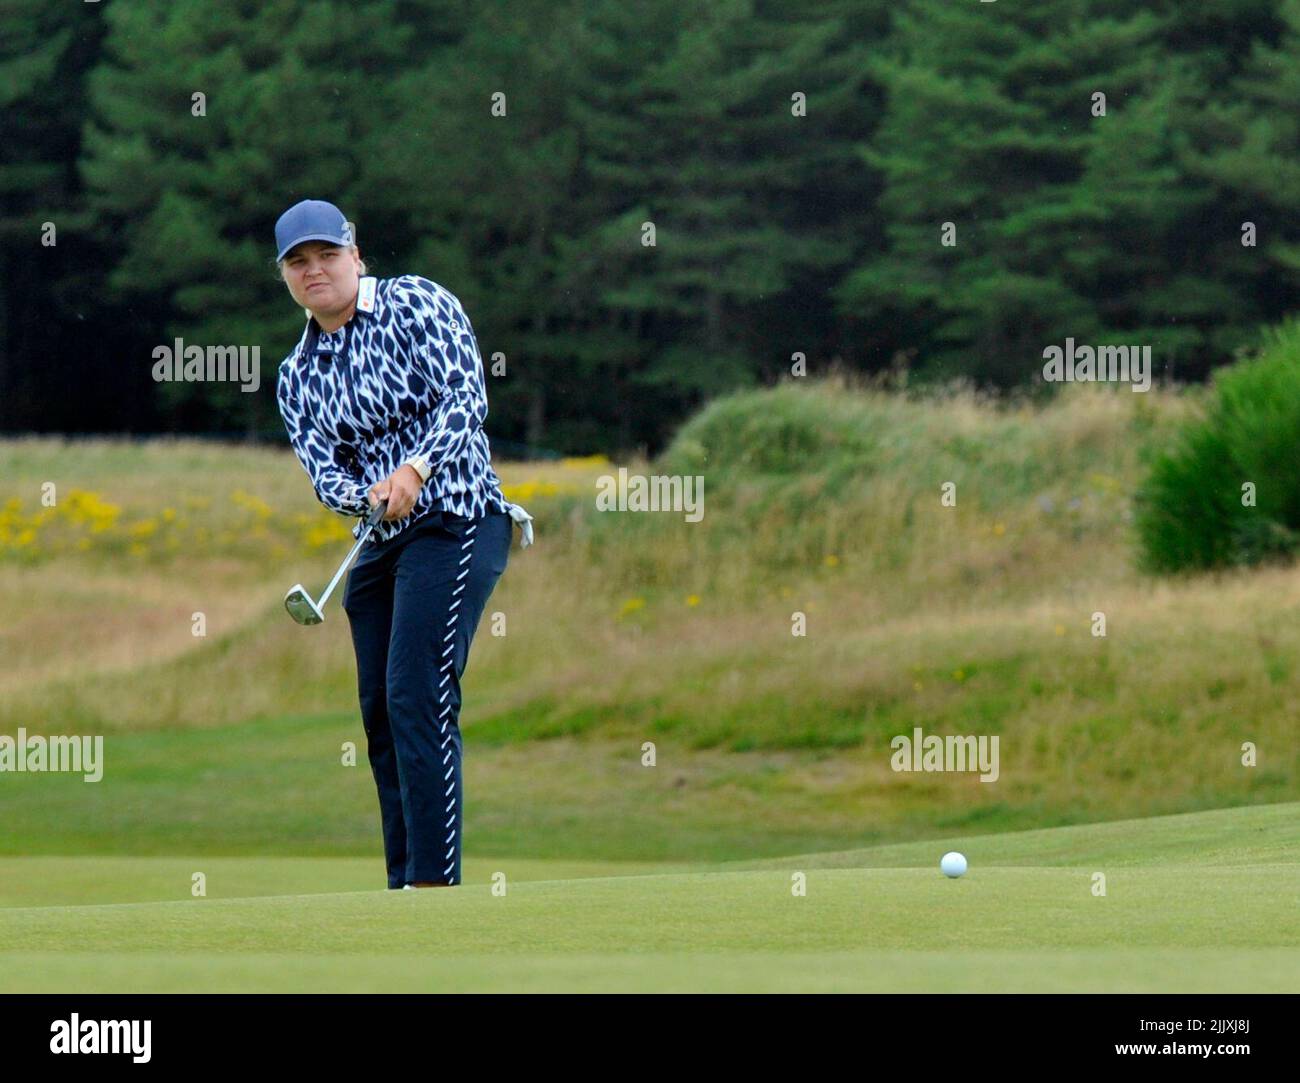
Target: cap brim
point(337, 242)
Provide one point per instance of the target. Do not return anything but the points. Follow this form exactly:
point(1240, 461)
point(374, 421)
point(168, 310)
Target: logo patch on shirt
point(366, 294)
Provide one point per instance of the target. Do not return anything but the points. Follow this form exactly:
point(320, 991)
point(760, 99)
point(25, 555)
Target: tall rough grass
point(820, 499)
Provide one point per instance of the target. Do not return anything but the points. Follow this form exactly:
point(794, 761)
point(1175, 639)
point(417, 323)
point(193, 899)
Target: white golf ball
point(953, 864)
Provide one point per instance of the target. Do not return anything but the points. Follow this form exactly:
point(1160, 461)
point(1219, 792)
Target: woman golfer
point(384, 399)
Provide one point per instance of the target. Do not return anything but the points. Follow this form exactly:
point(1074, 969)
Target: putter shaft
point(300, 604)
point(372, 519)
point(344, 566)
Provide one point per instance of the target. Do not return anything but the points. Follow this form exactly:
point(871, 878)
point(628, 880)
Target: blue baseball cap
point(311, 220)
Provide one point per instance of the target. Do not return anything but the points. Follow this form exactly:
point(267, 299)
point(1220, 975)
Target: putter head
point(301, 607)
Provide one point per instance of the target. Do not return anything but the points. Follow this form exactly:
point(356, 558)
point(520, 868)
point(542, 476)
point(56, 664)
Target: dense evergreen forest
point(644, 205)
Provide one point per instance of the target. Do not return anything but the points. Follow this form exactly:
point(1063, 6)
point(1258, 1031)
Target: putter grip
point(376, 513)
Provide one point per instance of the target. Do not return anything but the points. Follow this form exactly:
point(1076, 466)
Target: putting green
point(1204, 902)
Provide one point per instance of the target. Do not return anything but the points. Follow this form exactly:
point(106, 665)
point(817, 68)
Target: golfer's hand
point(400, 489)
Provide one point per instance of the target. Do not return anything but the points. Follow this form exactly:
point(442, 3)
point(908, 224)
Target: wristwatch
point(420, 467)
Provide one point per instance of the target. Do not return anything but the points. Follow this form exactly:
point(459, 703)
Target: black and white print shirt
point(403, 377)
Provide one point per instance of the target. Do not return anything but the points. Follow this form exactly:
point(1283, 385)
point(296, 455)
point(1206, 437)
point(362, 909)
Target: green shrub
point(1190, 514)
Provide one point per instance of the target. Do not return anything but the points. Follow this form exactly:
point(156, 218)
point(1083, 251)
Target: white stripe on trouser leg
point(449, 660)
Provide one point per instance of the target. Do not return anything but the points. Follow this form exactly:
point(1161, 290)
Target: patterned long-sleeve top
point(403, 377)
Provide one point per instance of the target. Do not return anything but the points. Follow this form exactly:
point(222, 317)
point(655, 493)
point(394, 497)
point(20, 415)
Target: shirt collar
point(367, 302)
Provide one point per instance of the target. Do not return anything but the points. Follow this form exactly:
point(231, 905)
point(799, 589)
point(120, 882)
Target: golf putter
point(299, 603)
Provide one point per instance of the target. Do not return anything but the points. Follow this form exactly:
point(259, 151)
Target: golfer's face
point(321, 276)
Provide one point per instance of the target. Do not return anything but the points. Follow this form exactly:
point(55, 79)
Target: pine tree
point(700, 138)
point(1246, 143)
point(1068, 223)
point(295, 99)
point(44, 50)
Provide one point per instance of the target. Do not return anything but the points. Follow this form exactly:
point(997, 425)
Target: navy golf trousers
point(414, 603)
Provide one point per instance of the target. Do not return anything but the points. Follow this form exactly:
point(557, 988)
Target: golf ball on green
point(953, 864)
